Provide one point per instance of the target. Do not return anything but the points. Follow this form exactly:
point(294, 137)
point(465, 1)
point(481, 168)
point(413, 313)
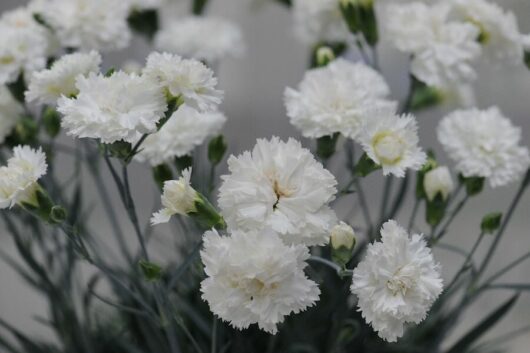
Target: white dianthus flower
point(438, 181)
point(391, 141)
point(443, 51)
point(187, 78)
point(24, 44)
point(484, 143)
point(88, 24)
point(178, 197)
point(119, 107)
point(499, 31)
point(254, 278)
point(336, 98)
point(47, 86)
point(319, 20)
point(10, 111)
point(279, 185)
point(397, 282)
point(18, 180)
point(186, 129)
point(202, 38)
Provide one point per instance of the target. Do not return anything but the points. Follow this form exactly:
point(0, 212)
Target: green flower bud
point(151, 271)
point(491, 222)
point(216, 149)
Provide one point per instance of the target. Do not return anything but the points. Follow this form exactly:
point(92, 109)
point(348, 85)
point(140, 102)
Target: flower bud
point(342, 243)
point(324, 56)
point(216, 149)
point(438, 181)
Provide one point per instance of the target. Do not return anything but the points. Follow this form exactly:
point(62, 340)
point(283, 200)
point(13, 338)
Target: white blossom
point(186, 129)
point(319, 20)
point(119, 107)
point(499, 31)
point(88, 24)
point(484, 143)
point(47, 86)
point(279, 185)
point(202, 38)
point(10, 112)
point(254, 278)
point(336, 98)
point(391, 141)
point(178, 197)
point(18, 179)
point(438, 181)
point(397, 281)
point(187, 78)
point(443, 51)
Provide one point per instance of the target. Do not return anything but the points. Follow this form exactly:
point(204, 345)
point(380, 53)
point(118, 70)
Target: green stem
point(364, 207)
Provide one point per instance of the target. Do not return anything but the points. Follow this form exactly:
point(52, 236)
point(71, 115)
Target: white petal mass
point(10, 112)
point(186, 129)
point(391, 141)
point(336, 98)
point(47, 86)
point(18, 179)
point(119, 107)
point(279, 185)
point(202, 38)
point(254, 278)
point(319, 20)
point(187, 78)
point(397, 282)
point(484, 143)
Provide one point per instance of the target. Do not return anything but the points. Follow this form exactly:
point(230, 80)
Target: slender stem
point(328, 263)
point(436, 236)
point(214, 336)
point(503, 226)
point(413, 214)
point(504, 270)
point(135, 149)
point(387, 190)
point(465, 265)
point(364, 207)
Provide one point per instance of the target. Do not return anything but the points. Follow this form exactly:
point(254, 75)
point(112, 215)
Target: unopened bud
point(438, 181)
point(342, 243)
point(324, 56)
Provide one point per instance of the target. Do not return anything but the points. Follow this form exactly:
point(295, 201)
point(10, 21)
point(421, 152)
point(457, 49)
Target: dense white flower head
point(119, 107)
point(178, 197)
point(438, 181)
point(397, 281)
point(254, 278)
point(48, 85)
point(279, 185)
point(202, 38)
point(186, 129)
point(484, 143)
point(187, 78)
point(10, 112)
point(391, 141)
point(499, 31)
point(24, 44)
point(18, 179)
point(88, 24)
point(318, 20)
point(443, 51)
point(336, 98)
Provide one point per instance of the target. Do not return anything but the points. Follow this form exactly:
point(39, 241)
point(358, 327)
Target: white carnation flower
point(443, 51)
point(88, 24)
point(484, 143)
point(186, 129)
point(279, 185)
point(202, 38)
point(336, 98)
point(253, 277)
point(10, 111)
point(18, 180)
point(319, 20)
point(187, 78)
point(499, 31)
point(438, 181)
point(178, 197)
point(47, 86)
point(397, 282)
point(119, 107)
point(391, 141)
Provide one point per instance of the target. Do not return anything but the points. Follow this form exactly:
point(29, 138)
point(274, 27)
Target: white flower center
point(280, 192)
point(254, 287)
point(388, 147)
point(402, 281)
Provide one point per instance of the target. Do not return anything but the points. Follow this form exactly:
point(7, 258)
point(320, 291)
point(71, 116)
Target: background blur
point(253, 89)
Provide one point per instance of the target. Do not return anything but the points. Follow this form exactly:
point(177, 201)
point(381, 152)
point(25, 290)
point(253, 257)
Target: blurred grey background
point(253, 89)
